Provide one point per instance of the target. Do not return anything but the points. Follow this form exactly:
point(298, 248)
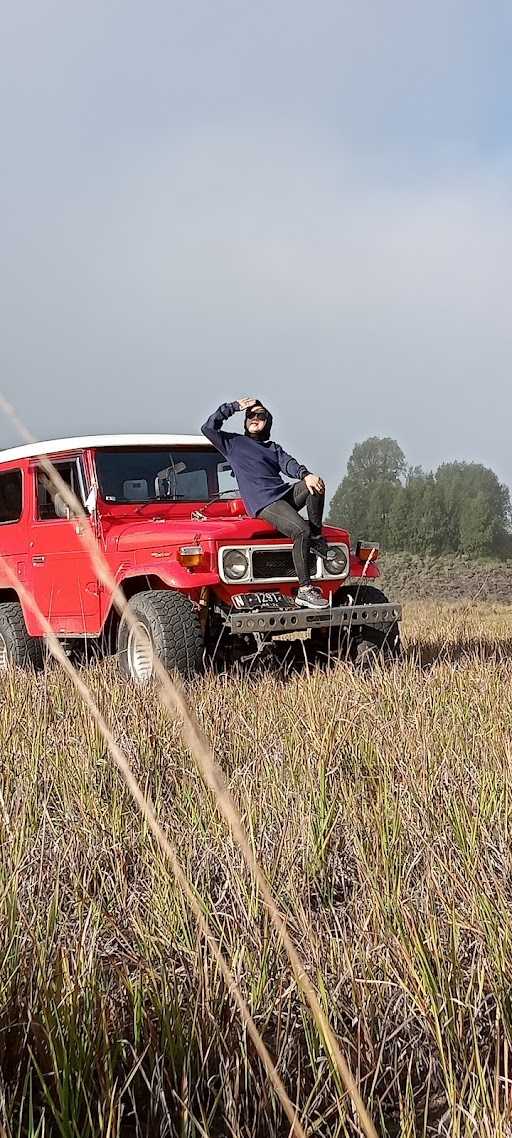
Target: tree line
point(461, 507)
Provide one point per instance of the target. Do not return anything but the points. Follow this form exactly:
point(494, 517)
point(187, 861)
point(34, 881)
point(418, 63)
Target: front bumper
point(300, 620)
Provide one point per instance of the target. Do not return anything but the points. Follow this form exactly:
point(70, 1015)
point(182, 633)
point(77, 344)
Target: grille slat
point(277, 564)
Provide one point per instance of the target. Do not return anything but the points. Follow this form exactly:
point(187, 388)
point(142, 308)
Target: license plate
point(260, 601)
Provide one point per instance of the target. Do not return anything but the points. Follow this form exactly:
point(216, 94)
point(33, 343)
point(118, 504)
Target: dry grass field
point(380, 807)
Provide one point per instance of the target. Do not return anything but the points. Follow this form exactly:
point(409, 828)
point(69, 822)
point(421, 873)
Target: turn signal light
point(191, 556)
point(365, 551)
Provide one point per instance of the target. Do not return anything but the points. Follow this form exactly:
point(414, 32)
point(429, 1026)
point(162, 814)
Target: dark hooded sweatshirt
point(257, 463)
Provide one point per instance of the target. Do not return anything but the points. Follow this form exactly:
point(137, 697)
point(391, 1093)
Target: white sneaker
point(310, 598)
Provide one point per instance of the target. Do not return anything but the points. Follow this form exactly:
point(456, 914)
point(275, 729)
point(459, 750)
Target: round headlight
point(336, 560)
point(236, 564)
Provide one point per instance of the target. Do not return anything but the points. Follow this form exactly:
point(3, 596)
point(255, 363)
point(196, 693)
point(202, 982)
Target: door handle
point(38, 560)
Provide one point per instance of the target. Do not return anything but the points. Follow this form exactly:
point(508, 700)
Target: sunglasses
point(257, 415)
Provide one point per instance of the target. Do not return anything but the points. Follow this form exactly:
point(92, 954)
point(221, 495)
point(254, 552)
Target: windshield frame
point(212, 470)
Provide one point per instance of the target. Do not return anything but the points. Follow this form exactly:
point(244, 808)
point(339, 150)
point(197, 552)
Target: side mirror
point(226, 468)
point(166, 479)
point(91, 500)
point(61, 507)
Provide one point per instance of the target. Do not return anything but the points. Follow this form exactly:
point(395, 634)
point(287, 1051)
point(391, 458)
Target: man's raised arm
point(213, 426)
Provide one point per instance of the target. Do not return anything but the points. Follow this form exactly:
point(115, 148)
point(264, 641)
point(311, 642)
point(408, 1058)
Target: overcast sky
point(310, 202)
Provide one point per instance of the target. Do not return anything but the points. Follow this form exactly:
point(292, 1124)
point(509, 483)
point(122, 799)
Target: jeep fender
point(357, 569)
point(138, 578)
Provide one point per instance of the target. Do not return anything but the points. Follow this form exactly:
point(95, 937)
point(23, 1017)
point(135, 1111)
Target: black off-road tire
point(16, 646)
point(367, 641)
point(171, 624)
point(370, 641)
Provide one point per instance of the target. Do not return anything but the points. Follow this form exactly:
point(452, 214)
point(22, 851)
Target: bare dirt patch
point(449, 578)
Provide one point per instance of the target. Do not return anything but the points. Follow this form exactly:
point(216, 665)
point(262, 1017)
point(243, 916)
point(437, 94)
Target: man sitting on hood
point(258, 465)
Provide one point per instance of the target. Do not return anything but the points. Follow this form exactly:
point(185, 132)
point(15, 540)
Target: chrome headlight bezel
point(244, 561)
point(338, 566)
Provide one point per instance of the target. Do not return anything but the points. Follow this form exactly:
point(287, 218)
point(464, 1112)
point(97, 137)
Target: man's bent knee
point(303, 528)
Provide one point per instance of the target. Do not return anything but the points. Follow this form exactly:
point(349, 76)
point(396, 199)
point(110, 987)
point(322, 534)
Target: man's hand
point(244, 404)
point(315, 484)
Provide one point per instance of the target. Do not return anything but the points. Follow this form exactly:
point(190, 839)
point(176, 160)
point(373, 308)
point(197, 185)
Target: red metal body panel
point(140, 541)
point(14, 536)
point(59, 571)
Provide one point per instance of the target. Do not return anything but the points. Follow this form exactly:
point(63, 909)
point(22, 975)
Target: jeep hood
point(182, 531)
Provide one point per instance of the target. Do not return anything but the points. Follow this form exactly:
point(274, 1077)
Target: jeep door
point(64, 582)
point(13, 522)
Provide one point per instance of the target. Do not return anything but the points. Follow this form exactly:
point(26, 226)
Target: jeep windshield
point(162, 475)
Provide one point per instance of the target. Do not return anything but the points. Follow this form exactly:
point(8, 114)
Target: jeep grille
point(270, 564)
point(274, 563)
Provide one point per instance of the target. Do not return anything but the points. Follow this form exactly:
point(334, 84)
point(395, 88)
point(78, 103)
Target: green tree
point(374, 463)
point(429, 516)
point(381, 496)
point(399, 520)
point(376, 460)
point(462, 507)
point(477, 530)
point(349, 506)
point(417, 516)
point(460, 484)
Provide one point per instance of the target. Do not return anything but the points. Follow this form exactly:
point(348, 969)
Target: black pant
point(284, 515)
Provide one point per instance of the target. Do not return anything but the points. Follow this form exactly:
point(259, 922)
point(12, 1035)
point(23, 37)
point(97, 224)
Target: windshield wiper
point(155, 502)
point(216, 497)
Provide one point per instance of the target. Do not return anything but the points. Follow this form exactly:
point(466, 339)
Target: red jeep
point(202, 577)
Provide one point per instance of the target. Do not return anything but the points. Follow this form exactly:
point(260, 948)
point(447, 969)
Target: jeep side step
point(299, 620)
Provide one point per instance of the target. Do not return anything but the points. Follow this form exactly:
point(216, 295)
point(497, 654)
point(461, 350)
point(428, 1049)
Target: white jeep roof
point(81, 442)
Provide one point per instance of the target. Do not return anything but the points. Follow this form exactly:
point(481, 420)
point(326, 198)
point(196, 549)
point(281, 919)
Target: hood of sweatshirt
point(264, 435)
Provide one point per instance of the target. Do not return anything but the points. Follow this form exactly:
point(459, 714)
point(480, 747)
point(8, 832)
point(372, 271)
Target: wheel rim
point(140, 653)
point(4, 654)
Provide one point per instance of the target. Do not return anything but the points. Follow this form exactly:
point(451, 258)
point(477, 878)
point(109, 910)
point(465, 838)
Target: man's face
point(256, 419)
